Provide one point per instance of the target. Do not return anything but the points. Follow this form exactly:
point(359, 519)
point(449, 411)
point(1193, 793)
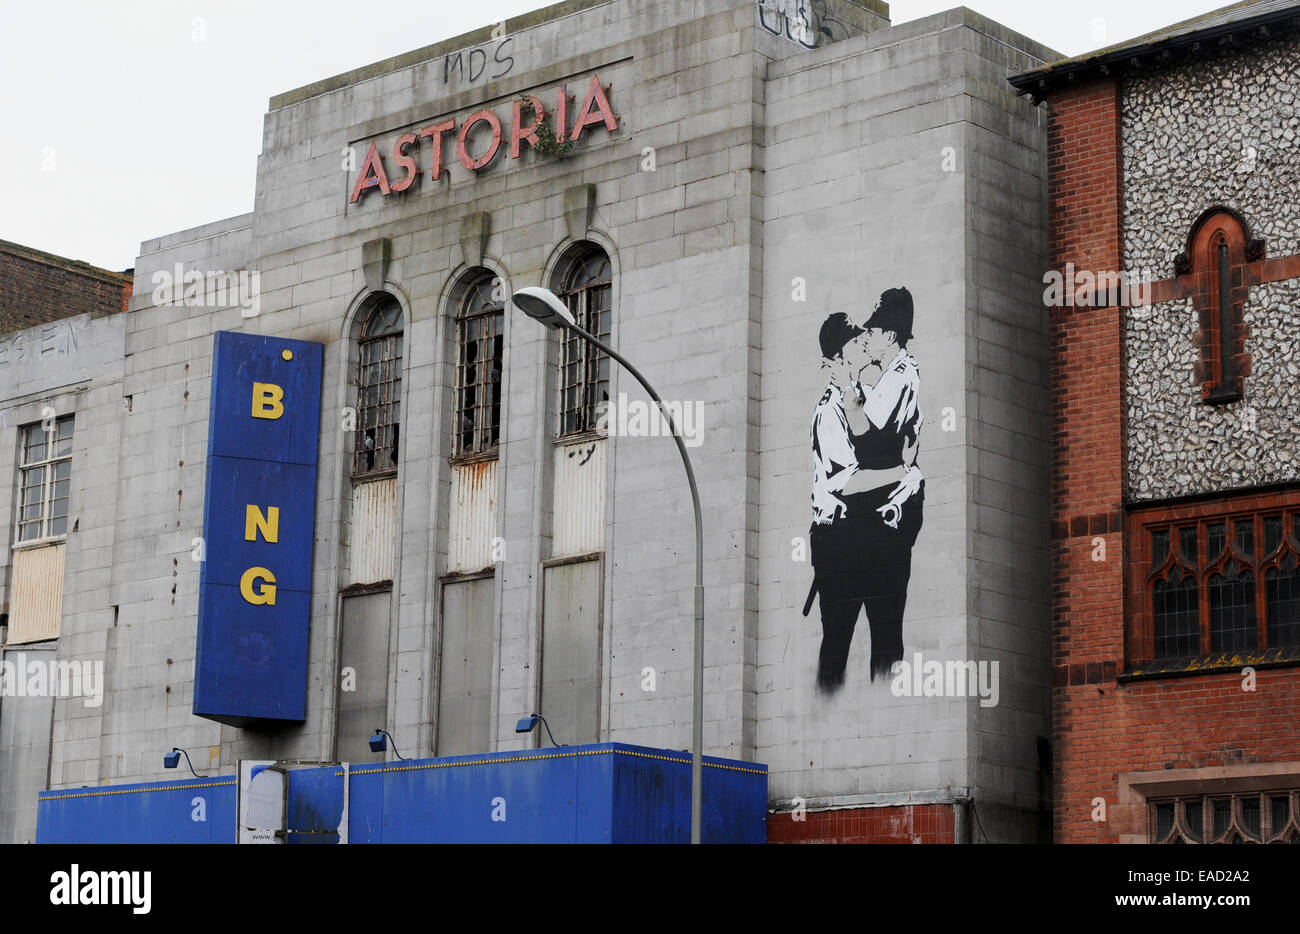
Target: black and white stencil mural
point(867, 490)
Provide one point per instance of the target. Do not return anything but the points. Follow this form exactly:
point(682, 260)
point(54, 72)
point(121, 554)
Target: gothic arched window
point(479, 356)
point(379, 390)
point(1218, 249)
point(587, 290)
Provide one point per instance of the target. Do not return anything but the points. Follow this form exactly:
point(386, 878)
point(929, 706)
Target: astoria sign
point(479, 138)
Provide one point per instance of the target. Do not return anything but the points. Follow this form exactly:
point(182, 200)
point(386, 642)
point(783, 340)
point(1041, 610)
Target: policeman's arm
point(910, 448)
point(854, 411)
point(837, 458)
point(877, 402)
point(863, 480)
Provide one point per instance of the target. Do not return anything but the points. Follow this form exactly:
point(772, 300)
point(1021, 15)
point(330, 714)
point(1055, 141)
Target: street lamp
point(378, 742)
point(529, 723)
point(543, 305)
point(173, 759)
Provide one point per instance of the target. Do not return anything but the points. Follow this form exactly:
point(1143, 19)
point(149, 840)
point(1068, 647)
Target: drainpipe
point(961, 812)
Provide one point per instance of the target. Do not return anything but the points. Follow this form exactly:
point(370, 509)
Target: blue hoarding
point(602, 793)
point(258, 525)
point(199, 810)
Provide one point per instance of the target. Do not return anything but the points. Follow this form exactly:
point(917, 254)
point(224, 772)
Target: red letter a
point(372, 174)
point(595, 96)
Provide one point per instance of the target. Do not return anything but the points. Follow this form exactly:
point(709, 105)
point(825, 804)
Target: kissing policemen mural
point(867, 491)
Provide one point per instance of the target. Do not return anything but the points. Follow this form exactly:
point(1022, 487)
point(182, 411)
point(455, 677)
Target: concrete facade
point(759, 179)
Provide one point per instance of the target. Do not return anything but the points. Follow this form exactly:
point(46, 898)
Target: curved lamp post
point(529, 723)
point(542, 305)
point(378, 743)
point(173, 759)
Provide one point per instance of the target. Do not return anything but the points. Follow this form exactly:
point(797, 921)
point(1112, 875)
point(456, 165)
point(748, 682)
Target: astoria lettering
point(478, 139)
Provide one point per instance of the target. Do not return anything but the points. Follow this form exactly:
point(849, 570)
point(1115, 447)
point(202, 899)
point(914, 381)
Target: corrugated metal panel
point(374, 530)
point(578, 518)
point(473, 516)
point(37, 601)
point(465, 679)
point(571, 650)
point(364, 649)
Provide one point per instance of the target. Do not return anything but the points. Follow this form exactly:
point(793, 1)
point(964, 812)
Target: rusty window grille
point(479, 343)
point(1253, 817)
point(44, 479)
point(584, 370)
point(379, 392)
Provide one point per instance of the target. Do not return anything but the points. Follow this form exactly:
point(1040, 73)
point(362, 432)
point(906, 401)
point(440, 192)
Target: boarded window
point(578, 515)
point(25, 737)
point(363, 678)
point(465, 678)
point(374, 531)
point(473, 516)
point(37, 604)
point(571, 651)
point(44, 491)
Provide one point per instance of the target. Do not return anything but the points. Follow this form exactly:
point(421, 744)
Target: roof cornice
point(1157, 49)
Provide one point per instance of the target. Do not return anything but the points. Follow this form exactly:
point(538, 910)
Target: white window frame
point(49, 466)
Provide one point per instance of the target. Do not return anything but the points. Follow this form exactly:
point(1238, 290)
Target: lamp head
point(378, 742)
point(526, 724)
point(172, 759)
point(544, 306)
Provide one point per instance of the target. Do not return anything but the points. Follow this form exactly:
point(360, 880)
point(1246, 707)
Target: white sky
point(117, 126)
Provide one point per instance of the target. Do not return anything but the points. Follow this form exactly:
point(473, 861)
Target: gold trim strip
point(550, 755)
point(135, 791)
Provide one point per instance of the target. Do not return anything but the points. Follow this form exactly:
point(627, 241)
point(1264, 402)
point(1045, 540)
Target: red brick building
point(38, 287)
point(1176, 453)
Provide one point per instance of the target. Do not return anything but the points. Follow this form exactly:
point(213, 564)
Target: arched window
point(479, 351)
point(1218, 582)
point(1218, 249)
point(587, 290)
point(379, 390)
point(1225, 817)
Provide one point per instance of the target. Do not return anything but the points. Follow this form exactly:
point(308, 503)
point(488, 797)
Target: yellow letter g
point(265, 596)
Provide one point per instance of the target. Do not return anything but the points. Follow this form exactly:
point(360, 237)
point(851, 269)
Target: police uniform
point(885, 551)
point(861, 543)
point(833, 456)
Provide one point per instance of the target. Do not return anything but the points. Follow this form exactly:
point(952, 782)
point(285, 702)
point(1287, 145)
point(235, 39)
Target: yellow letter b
point(267, 400)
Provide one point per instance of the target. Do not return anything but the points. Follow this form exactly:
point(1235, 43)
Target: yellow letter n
point(268, 525)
